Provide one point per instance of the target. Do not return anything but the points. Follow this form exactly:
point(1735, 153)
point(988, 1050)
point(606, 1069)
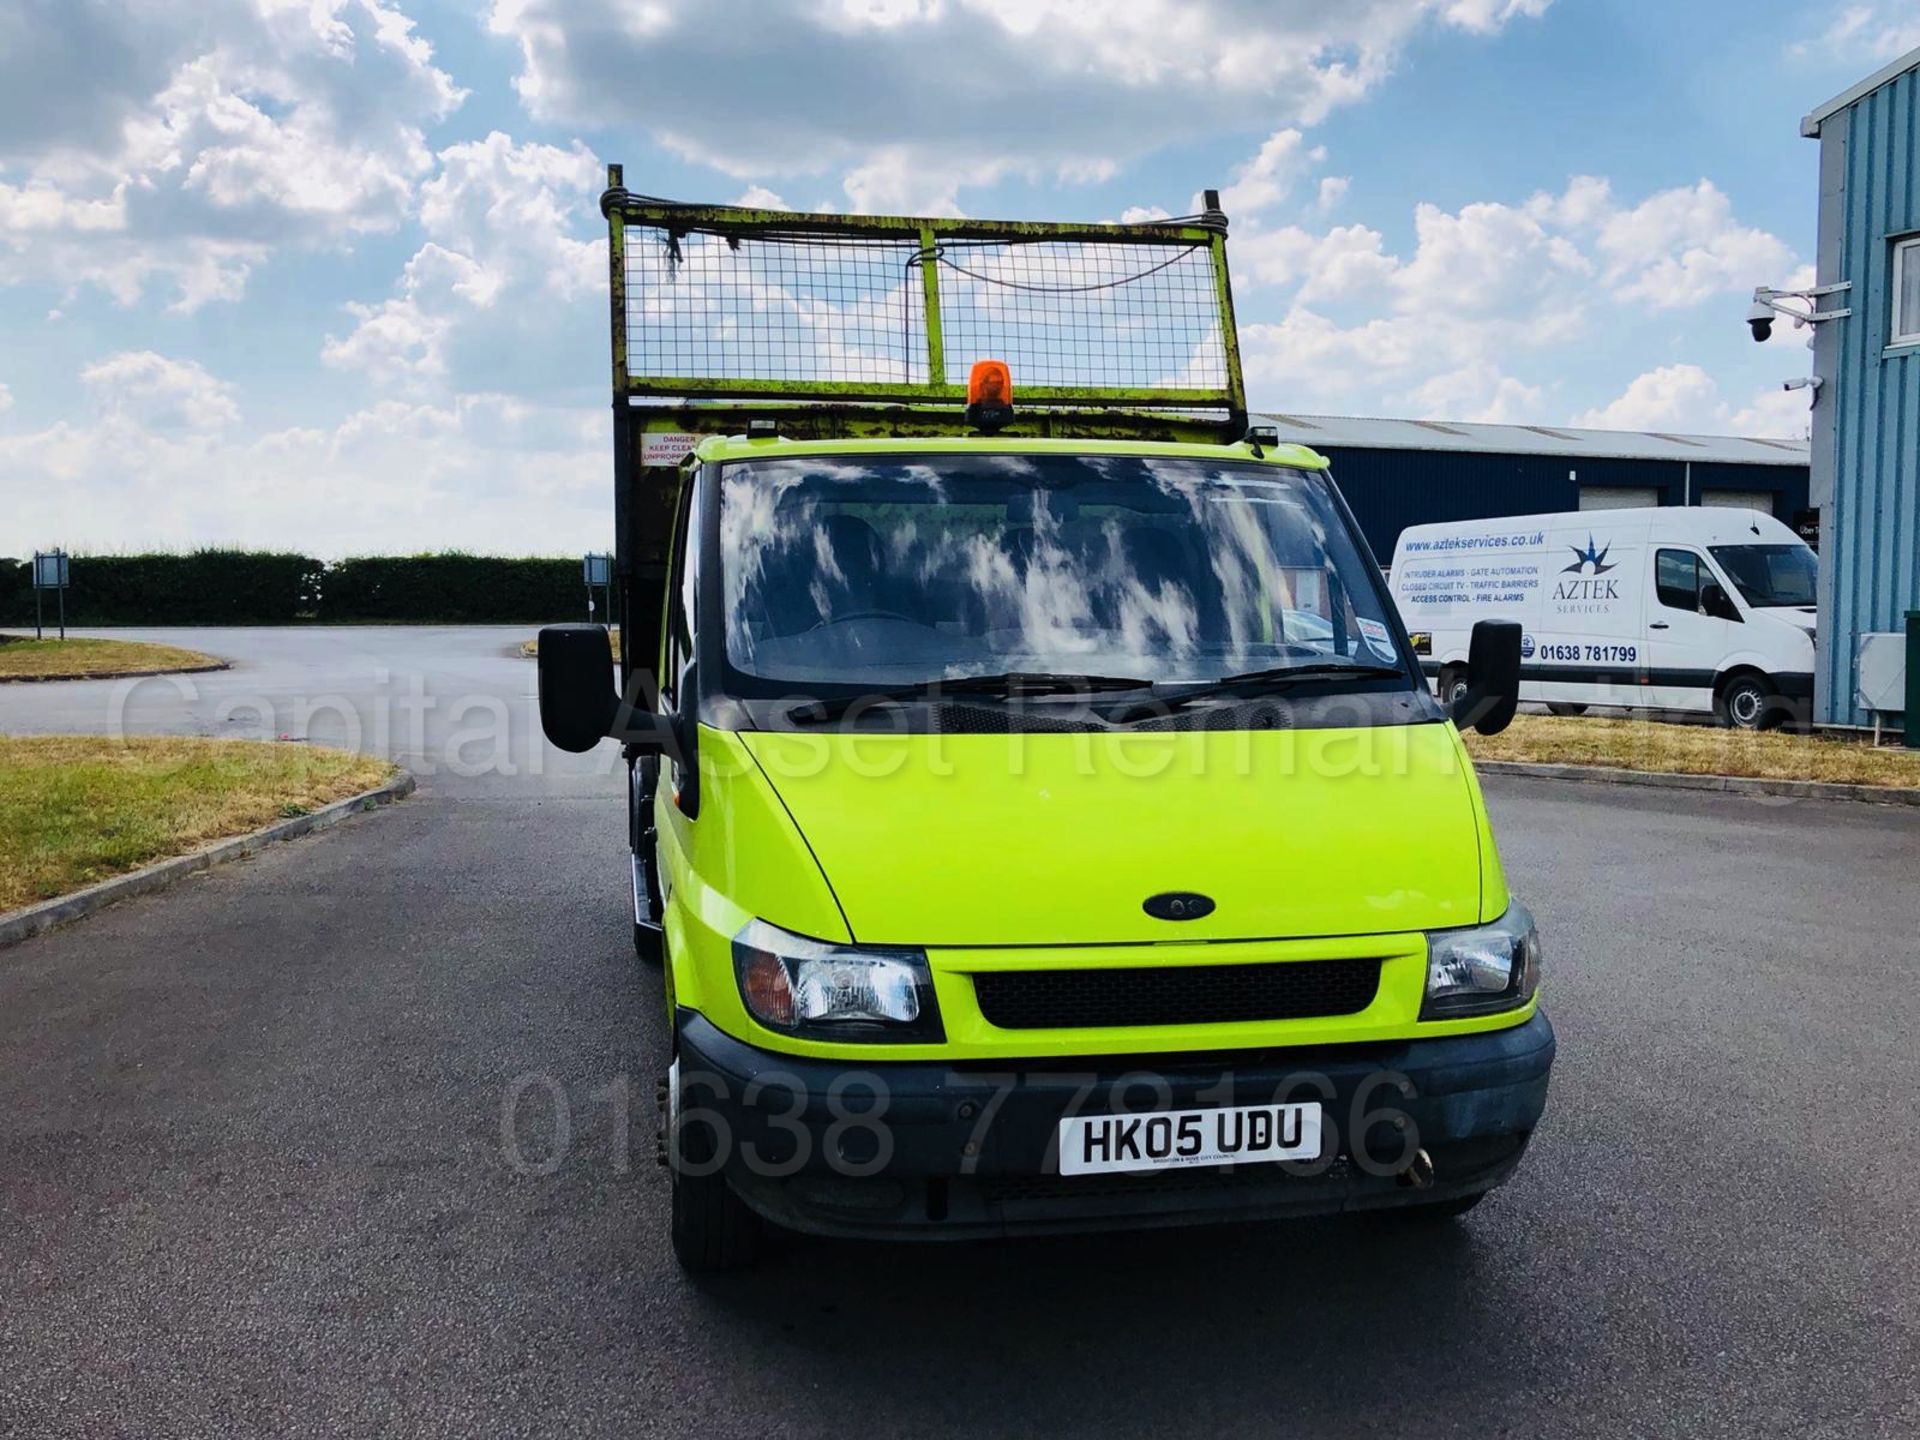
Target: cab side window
point(683, 580)
point(1677, 575)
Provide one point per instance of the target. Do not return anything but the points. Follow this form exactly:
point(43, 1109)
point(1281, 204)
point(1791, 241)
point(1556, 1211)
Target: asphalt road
point(254, 1177)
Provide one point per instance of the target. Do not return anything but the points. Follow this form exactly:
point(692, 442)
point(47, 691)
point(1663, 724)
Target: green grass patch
point(1698, 750)
point(23, 657)
point(75, 810)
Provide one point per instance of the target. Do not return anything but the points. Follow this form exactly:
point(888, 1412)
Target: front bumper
point(932, 1150)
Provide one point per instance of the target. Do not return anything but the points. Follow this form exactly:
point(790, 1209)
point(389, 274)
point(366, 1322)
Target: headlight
point(834, 992)
point(1483, 970)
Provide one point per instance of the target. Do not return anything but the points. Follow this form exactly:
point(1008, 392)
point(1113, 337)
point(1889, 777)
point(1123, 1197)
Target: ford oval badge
point(1178, 905)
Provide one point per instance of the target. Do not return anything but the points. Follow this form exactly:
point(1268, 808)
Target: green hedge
point(231, 587)
point(455, 589)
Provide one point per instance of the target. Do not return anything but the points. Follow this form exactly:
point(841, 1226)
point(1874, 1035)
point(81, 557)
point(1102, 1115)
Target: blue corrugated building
point(1866, 435)
point(1397, 473)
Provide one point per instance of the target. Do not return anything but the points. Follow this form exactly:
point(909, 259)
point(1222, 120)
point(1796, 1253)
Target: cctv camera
point(1760, 321)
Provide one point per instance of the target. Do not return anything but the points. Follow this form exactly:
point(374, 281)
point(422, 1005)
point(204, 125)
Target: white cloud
point(1486, 291)
point(1778, 414)
point(501, 219)
point(1271, 174)
point(1346, 261)
point(486, 472)
point(517, 207)
point(6, 399)
point(1490, 15)
point(949, 91)
point(1674, 397)
point(157, 393)
point(1482, 395)
point(214, 132)
point(894, 182)
point(1882, 30)
point(1685, 398)
point(1682, 246)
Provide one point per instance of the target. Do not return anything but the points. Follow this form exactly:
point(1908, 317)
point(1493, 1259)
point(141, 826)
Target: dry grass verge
point(75, 810)
point(1697, 750)
point(24, 658)
point(531, 648)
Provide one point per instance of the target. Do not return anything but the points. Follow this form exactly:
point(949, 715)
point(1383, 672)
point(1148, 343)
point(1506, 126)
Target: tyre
point(1453, 684)
point(1564, 707)
point(1747, 702)
point(712, 1229)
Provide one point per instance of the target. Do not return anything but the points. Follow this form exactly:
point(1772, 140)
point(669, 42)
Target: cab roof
point(740, 447)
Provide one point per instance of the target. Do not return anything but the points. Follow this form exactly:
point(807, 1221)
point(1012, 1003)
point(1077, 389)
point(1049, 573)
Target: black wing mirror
point(1493, 678)
point(577, 700)
point(1715, 601)
point(579, 706)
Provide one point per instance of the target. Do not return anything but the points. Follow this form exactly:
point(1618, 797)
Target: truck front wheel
point(712, 1228)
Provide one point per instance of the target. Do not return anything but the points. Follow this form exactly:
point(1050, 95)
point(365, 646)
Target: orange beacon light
point(989, 395)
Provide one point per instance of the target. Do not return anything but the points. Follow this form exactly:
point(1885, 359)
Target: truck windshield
point(842, 572)
point(1771, 575)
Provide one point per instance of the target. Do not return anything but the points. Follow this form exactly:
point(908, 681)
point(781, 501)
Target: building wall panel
point(1871, 549)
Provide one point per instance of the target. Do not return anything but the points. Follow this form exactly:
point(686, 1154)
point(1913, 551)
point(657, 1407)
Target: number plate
point(1176, 1139)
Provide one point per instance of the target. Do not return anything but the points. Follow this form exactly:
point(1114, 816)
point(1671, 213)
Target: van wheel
point(1562, 707)
point(1746, 703)
point(712, 1229)
point(1453, 684)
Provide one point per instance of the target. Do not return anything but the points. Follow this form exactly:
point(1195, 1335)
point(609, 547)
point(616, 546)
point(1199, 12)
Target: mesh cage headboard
point(729, 303)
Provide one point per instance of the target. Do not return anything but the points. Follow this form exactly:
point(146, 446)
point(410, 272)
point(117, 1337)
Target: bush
point(206, 587)
point(452, 589)
point(237, 587)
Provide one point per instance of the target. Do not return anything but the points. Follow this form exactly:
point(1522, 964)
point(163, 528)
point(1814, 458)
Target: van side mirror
point(1493, 678)
point(579, 706)
point(577, 699)
point(1715, 601)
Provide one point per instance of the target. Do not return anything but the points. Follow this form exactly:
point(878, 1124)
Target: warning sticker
point(666, 447)
point(1376, 637)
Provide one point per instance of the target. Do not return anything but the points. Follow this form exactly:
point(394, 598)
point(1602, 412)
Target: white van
point(1663, 609)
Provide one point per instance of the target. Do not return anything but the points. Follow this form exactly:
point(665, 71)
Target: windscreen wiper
point(1010, 685)
point(1255, 681)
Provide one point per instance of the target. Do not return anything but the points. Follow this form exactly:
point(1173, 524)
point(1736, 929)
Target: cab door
point(1685, 644)
point(670, 823)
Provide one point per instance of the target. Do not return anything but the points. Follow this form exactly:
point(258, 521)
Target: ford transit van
point(1685, 609)
point(1038, 814)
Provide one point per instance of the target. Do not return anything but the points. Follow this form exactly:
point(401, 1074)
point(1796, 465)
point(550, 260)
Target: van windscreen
point(1771, 575)
point(841, 571)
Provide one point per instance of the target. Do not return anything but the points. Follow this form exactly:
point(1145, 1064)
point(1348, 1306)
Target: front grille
point(1176, 994)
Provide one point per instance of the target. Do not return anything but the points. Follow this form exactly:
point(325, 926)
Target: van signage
point(1592, 560)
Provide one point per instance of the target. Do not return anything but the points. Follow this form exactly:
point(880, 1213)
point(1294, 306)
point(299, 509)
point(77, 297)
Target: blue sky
point(328, 274)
